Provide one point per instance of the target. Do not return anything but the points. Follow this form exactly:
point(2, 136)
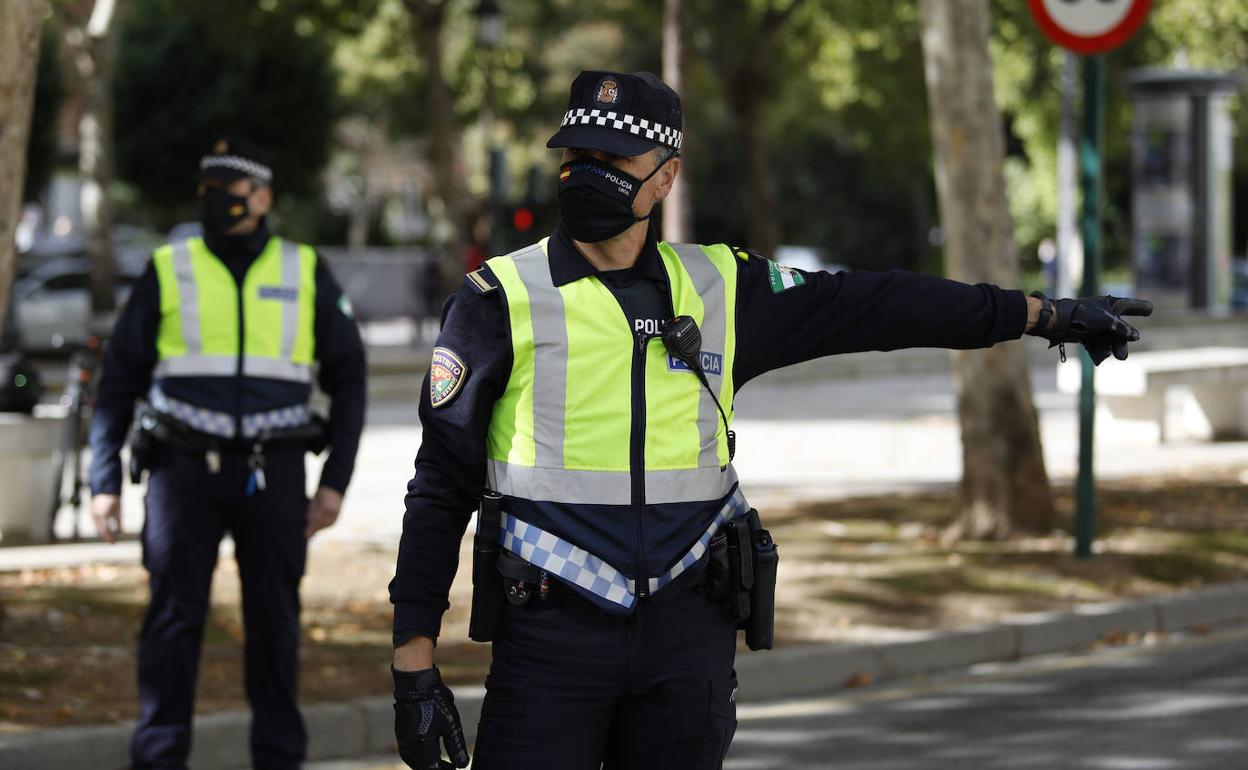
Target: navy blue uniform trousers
point(189, 509)
point(573, 688)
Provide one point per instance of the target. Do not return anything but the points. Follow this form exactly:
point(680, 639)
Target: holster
point(761, 625)
point(741, 571)
point(487, 598)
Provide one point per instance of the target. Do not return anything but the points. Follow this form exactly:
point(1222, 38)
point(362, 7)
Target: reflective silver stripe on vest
point(197, 365)
point(276, 369)
point(550, 356)
point(709, 284)
point(581, 568)
point(559, 557)
point(227, 366)
point(290, 310)
point(576, 487)
point(221, 424)
point(188, 298)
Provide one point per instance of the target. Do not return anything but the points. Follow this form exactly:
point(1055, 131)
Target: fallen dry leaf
point(859, 679)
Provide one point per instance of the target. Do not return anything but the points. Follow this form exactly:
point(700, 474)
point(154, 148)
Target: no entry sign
point(1089, 26)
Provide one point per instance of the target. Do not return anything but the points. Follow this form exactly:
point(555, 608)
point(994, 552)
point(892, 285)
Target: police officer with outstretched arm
point(221, 340)
point(580, 396)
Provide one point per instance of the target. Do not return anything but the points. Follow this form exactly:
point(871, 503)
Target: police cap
point(236, 158)
point(621, 114)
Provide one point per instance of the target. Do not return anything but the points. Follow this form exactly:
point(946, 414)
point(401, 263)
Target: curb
point(363, 727)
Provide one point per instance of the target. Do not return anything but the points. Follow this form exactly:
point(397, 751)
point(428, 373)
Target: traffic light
point(522, 219)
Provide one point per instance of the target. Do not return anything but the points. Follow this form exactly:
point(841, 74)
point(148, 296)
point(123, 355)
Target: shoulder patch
point(783, 278)
point(483, 280)
point(447, 373)
point(344, 306)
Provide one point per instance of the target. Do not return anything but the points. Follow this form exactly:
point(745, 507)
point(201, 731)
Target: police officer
point(221, 338)
point(554, 385)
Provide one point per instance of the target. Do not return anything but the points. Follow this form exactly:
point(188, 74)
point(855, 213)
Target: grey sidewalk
point(364, 727)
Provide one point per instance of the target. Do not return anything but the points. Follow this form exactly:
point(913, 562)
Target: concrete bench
point(1199, 393)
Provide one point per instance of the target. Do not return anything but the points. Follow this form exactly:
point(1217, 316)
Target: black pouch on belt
point(521, 580)
point(487, 599)
point(760, 627)
point(717, 577)
point(142, 442)
point(740, 569)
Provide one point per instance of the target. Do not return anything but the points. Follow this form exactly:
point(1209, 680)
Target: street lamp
point(490, 27)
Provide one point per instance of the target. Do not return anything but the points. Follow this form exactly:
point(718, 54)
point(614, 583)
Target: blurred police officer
point(554, 384)
point(221, 338)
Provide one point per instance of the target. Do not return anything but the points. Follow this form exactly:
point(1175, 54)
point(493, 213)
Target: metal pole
point(1090, 181)
point(1067, 174)
point(493, 163)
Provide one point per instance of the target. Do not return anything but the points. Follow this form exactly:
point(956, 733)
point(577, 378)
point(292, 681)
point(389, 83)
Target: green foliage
point(49, 94)
point(190, 70)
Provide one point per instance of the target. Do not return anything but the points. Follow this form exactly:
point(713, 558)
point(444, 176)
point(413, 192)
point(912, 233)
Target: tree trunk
point(429, 19)
point(88, 37)
point(747, 41)
point(677, 209)
point(763, 230)
point(1004, 484)
point(19, 57)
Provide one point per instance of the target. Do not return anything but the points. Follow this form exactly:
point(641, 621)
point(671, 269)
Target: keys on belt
point(255, 463)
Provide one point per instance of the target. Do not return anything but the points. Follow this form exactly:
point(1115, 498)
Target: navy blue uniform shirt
point(828, 313)
point(130, 357)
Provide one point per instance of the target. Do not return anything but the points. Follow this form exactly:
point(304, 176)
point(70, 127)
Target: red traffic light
point(522, 219)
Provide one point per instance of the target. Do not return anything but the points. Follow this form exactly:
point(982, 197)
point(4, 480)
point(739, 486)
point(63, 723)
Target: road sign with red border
point(1089, 26)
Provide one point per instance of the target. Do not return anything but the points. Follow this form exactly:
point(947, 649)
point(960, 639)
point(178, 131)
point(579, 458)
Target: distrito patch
point(447, 373)
point(783, 278)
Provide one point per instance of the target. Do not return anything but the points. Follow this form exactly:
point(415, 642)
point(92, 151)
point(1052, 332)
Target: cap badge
point(220, 148)
point(608, 92)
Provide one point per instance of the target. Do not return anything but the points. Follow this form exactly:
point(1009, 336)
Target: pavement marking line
point(847, 702)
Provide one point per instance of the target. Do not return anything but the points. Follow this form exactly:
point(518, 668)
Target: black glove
point(1095, 322)
point(424, 710)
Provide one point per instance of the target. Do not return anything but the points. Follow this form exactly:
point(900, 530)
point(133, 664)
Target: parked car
point(1239, 284)
point(52, 304)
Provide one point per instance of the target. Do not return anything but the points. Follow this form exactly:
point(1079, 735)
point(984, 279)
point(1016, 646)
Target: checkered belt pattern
point(655, 132)
point(221, 424)
point(593, 575)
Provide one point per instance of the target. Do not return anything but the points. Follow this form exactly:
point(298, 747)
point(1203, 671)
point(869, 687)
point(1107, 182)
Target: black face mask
point(596, 199)
point(219, 210)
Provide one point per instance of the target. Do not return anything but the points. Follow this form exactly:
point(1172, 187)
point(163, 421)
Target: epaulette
point(483, 280)
point(744, 254)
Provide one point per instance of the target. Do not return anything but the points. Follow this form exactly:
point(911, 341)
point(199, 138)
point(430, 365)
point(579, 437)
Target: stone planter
point(26, 448)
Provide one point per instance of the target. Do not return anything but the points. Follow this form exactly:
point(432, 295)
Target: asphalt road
point(1182, 705)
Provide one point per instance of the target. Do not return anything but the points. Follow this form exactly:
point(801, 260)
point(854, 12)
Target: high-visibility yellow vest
point(598, 433)
point(200, 313)
point(210, 327)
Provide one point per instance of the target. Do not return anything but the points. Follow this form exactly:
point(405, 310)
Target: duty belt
point(222, 424)
point(590, 574)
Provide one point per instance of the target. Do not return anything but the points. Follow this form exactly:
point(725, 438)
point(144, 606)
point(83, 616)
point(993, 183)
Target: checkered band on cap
point(619, 121)
point(236, 163)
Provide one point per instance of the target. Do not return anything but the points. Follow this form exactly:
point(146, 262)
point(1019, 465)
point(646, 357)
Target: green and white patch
point(344, 305)
point(783, 278)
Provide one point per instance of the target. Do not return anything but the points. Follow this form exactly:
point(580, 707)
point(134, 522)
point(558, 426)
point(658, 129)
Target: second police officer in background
point(570, 390)
point(220, 336)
